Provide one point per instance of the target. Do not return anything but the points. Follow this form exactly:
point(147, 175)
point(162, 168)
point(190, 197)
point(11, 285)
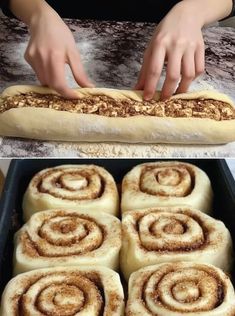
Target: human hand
point(178, 41)
point(51, 46)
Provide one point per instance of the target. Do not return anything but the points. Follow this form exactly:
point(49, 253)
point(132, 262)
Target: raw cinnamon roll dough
point(204, 117)
point(67, 238)
point(77, 187)
point(60, 291)
point(172, 234)
point(165, 184)
point(176, 289)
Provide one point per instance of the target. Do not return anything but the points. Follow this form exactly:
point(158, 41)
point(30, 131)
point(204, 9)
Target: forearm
point(207, 11)
point(28, 10)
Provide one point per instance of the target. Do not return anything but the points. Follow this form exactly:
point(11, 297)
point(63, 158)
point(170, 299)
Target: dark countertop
point(112, 54)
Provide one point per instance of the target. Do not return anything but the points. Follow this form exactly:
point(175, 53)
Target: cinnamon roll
point(77, 187)
point(67, 238)
point(64, 291)
point(183, 288)
point(170, 234)
point(165, 184)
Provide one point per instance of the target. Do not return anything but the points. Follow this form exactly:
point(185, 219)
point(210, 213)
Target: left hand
point(178, 41)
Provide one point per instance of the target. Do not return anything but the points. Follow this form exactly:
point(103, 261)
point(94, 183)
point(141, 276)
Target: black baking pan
point(22, 170)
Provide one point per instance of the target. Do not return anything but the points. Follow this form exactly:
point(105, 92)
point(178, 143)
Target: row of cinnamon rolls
point(171, 254)
point(92, 188)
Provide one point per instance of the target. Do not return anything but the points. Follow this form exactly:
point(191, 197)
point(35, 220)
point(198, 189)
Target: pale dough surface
point(36, 201)
point(31, 286)
point(86, 240)
point(174, 291)
point(49, 124)
point(166, 234)
point(133, 197)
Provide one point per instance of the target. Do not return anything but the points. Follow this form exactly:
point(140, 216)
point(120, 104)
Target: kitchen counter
point(112, 54)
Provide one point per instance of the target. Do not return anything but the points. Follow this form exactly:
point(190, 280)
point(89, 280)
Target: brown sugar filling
point(156, 296)
point(74, 279)
point(107, 106)
point(176, 247)
point(58, 183)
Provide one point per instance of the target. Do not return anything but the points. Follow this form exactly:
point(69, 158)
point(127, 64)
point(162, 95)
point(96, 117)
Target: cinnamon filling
point(70, 298)
point(34, 249)
point(179, 177)
point(107, 106)
point(174, 227)
point(188, 290)
point(59, 182)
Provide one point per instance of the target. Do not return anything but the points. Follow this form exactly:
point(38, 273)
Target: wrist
point(207, 11)
point(191, 9)
point(42, 13)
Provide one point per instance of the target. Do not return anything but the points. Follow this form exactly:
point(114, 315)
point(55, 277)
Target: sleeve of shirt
point(232, 12)
point(4, 5)
point(233, 9)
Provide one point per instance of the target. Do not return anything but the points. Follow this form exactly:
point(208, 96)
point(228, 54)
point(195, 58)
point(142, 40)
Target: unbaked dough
point(166, 183)
point(173, 234)
point(50, 124)
point(177, 289)
point(85, 291)
point(67, 238)
point(86, 188)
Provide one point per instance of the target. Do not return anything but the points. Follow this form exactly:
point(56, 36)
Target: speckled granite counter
point(112, 54)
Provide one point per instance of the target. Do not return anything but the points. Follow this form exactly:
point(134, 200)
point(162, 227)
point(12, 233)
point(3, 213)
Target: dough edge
point(120, 94)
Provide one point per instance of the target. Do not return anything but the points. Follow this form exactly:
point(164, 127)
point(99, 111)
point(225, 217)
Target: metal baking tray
point(22, 170)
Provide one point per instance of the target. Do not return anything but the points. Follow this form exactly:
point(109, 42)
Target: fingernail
point(91, 85)
point(147, 97)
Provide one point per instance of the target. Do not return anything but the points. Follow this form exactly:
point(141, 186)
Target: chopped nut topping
point(107, 106)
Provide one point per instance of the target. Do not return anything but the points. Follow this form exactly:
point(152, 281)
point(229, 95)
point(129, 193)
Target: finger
point(141, 78)
point(37, 61)
point(188, 71)
point(41, 75)
point(41, 71)
point(153, 71)
point(142, 74)
point(200, 59)
point(78, 71)
point(56, 79)
point(172, 74)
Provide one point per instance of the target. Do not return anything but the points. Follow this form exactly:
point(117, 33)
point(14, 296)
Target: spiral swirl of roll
point(167, 181)
point(166, 184)
point(64, 291)
point(164, 234)
point(63, 237)
point(71, 186)
point(179, 289)
point(67, 234)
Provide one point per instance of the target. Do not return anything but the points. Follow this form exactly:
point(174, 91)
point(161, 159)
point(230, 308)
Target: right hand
point(51, 46)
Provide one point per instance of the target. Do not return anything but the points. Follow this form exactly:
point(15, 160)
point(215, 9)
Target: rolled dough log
point(50, 124)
